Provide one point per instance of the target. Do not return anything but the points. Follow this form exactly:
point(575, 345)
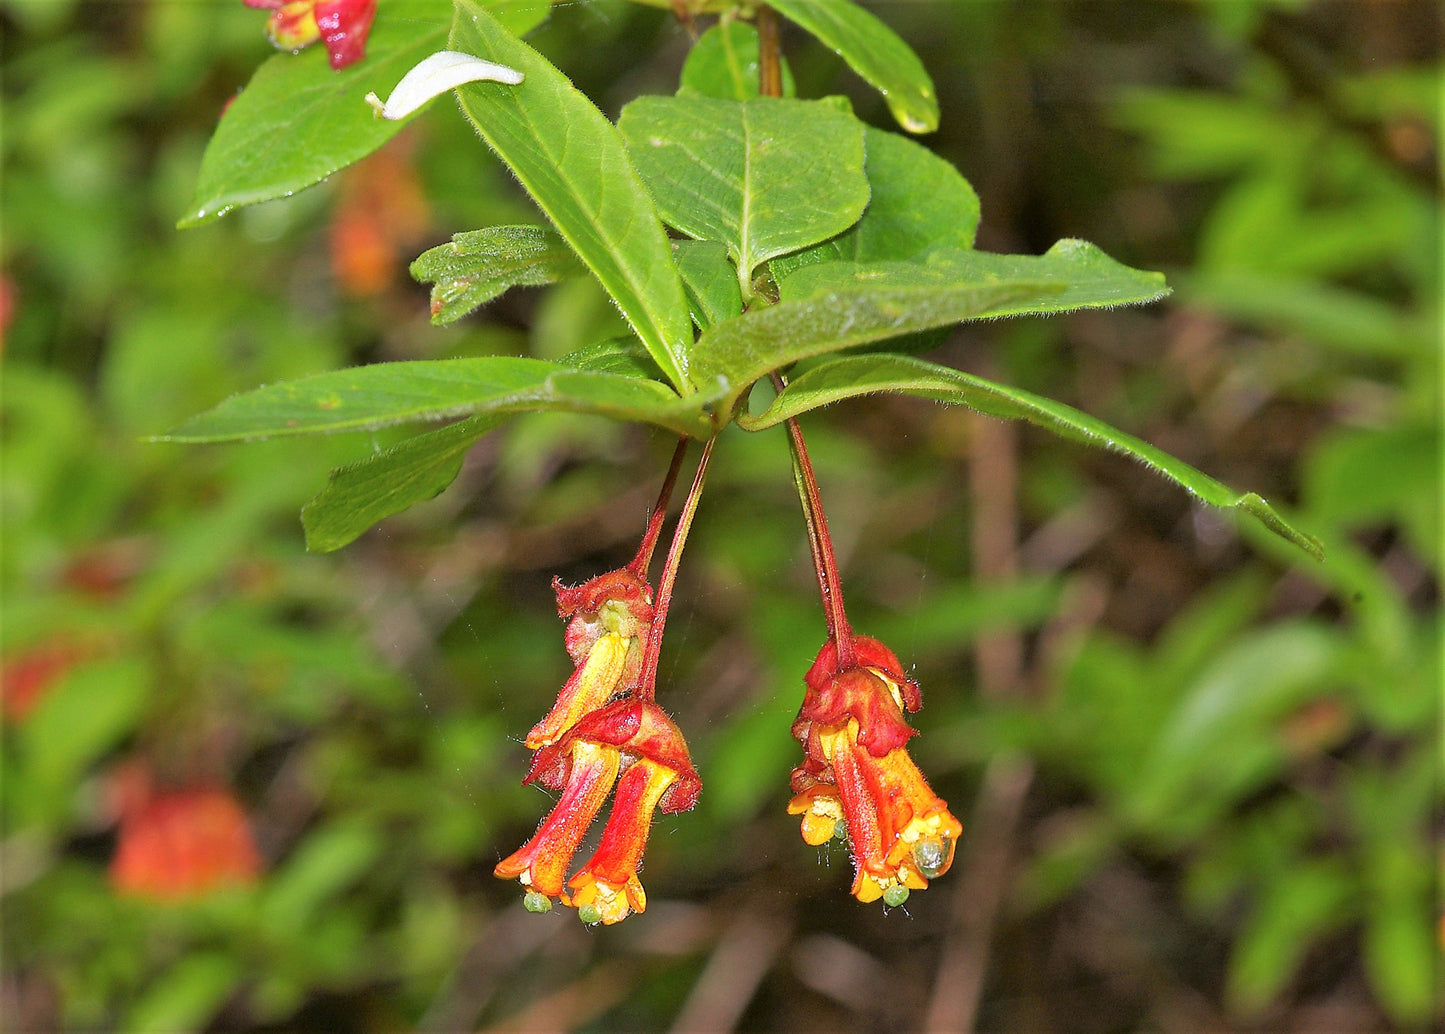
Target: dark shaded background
point(1198, 772)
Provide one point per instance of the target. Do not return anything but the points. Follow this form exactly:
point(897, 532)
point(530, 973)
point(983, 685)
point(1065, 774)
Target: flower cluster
point(604, 731)
point(342, 25)
point(857, 777)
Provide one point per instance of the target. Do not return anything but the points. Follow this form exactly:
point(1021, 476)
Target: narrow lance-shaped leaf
point(573, 163)
point(831, 306)
point(1083, 277)
point(477, 266)
point(851, 376)
point(875, 52)
point(385, 394)
point(740, 351)
point(359, 494)
point(764, 176)
point(297, 121)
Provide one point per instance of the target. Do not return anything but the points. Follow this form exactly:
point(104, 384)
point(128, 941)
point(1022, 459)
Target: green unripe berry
point(895, 895)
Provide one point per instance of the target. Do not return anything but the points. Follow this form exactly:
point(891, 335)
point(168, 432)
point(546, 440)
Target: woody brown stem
point(770, 65)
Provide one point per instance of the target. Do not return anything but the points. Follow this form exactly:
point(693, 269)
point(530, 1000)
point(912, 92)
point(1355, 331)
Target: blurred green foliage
point(1233, 815)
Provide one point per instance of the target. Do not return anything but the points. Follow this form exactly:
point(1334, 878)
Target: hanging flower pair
point(606, 730)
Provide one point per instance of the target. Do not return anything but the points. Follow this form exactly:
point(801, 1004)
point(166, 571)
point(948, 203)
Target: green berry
point(895, 895)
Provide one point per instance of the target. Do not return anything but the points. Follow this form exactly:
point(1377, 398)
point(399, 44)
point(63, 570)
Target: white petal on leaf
point(434, 76)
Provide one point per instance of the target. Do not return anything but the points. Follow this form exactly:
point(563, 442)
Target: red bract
point(342, 25)
point(857, 776)
point(184, 843)
point(638, 740)
point(610, 617)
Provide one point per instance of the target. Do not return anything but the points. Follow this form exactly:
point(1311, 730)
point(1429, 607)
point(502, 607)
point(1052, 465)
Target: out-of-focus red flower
point(179, 844)
point(25, 679)
point(638, 740)
point(342, 25)
point(103, 571)
point(857, 775)
point(381, 213)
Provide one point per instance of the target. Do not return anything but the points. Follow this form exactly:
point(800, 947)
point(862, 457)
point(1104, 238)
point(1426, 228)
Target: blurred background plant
point(250, 788)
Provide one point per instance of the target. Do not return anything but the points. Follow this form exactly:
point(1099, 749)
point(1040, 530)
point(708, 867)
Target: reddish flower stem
point(825, 560)
point(643, 560)
point(647, 685)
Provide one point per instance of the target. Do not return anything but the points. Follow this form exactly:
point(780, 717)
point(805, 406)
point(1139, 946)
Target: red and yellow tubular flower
point(632, 737)
point(342, 25)
point(857, 775)
point(609, 620)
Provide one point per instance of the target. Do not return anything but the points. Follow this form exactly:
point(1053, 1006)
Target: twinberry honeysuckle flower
point(342, 25)
point(857, 776)
point(608, 620)
point(631, 738)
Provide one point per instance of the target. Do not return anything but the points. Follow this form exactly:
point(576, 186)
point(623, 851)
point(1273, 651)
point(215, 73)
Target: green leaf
point(187, 996)
point(875, 52)
point(709, 280)
point(1314, 897)
point(724, 63)
point(298, 121)
point(1078, 275)
point(384, 394)
point(573, 163)
point(764, 176)
point(830, 306)
point(479, 265)
point(852, 376)
point(740, 351)
point(919, 203)
point(358, 495)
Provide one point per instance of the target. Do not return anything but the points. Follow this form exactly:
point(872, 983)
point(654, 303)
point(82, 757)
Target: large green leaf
point(764, 176)
point(739, 351)
point(360, 494)
point(875, 52)
point(384, 394)
point(724, 63)
point(851, 376)
point(298, 121)
point(1081, 277)
point(478, 265)
point(919, 202)
point(573, 163)
point(830, 306)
